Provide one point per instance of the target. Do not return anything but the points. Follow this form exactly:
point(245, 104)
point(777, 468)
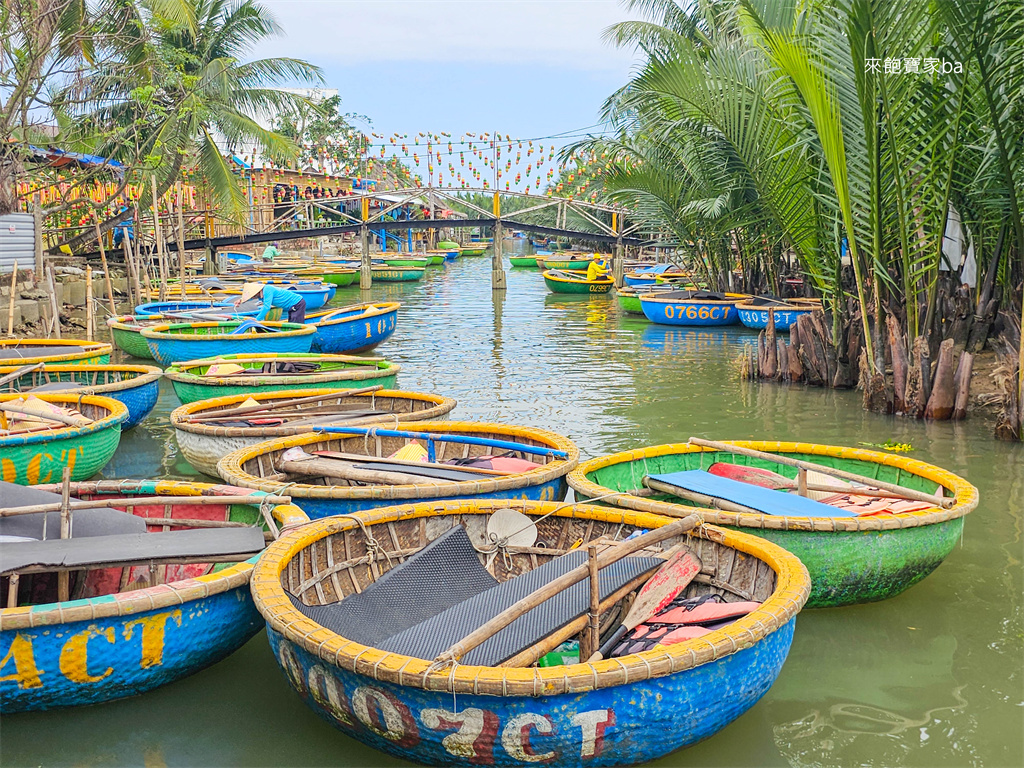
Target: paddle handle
point(841, 473)
point(15, 375)
point(566, 580)
point(609, 646)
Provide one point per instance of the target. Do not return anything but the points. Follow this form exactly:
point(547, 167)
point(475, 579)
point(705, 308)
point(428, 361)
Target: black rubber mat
point(430, 638)
point(445, 572)
point(85, 522)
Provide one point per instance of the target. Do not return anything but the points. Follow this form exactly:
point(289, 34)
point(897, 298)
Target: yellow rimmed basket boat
point(53, 351)
point(621, 711)
point(850, 559)
point(205, 443)
point(258, 466)
point(142, 618)
point(559, 281)
point(40, 456)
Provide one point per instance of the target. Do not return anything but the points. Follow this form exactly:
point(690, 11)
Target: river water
point(930, 678)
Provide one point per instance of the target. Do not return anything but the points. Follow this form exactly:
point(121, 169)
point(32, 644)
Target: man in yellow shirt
point(598, 268)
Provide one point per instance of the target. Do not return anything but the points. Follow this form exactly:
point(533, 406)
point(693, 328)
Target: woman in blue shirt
point(290, 302)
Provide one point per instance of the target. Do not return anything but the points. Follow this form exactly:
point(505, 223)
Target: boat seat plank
point(431, 637)
point(132, 548)
point(764, 500)
point(443, 573)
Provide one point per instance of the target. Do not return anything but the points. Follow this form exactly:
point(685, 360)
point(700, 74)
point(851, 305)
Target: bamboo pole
point(576, 575)
point(64, 577)
point(12, 590)
point(106, 271)
point(594, 629)
point(55, 308)
point(338, 469)
point(89, 312)
point(840, 473)
point(10, 303)
point(24, 370)
point(157, 235)
point(181, 240)
point(144, 501)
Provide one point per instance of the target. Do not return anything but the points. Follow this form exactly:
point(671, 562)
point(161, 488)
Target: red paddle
point(660, 590)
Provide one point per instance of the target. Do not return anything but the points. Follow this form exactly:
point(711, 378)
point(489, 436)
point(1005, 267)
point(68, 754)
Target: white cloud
point(557, 33)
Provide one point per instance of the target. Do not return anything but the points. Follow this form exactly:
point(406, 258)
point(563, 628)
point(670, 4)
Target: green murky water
point(930, 678)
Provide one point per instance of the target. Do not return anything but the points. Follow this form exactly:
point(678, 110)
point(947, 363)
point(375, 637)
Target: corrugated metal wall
point(17, 241)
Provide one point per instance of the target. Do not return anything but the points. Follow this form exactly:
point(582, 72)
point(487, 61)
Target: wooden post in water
point(161, 262)
point(181, 240)
point(617, 266)
point(54, 305)
point(498, 282)
point(365, 271)
point(106, 270)
point(64, 577)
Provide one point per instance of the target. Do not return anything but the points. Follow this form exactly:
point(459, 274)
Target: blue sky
point(530, 69)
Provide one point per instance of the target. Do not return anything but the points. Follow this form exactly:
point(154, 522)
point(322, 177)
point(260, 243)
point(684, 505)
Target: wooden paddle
point(566, 580)
point(780, 458)
point(401, 462)
point(15, 375)
point(660, 590)
point(272, 406)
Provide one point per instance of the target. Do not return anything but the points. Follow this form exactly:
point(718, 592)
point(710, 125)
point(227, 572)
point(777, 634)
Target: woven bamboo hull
point(340, 279)
point(359, 331)
point(41, 457)
point(862, 560)
point(630, 303)
point(683, 312)
point(92, 353)
point(409, 261)
point(103, 648)
point(128, 339)
point(190, 387)
point(169, 347)
point(136, 386)
point(204, 446)
point(615, 712)
point(576, 286)
point(247, 468)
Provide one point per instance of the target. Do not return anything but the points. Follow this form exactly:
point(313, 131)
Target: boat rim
point(323, 317)
point(792, 589)
point(175, 593)
point(87, 349)
point(230, 465)
point(147, 374)
point(362, 368)
point(584, 281)
point(165, 331)
point(722, 302)
point(966, 495)
point(178, 414)
point(787, 305)
point(118, 413)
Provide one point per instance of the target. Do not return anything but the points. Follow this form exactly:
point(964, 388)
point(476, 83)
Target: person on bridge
point(271, 252)
point(289, 301)
point(598, 268)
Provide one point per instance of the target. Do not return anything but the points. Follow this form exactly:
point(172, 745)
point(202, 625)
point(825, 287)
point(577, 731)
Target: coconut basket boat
point(756, 311)
point(686, 307)
point(851, 559)
point(619, 711)
point(175, 342)
point(396, 274)
point(324, 486)
point(576, 282)
point(562, 262)
point(137, 612)
point(273, 373)
point(473, 249)
point(136, 386)
point(523, 261)
point(53, 351)
point(204, 442)
point(356, 328)
point(39, 456)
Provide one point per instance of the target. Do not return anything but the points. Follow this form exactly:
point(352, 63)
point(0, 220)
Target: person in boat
point(271, 252)
point(291, 303)
point(598, 268)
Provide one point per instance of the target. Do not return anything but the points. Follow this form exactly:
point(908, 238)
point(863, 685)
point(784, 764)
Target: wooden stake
point(161, 262)
point(106, 272)
point(594, 629)
point(181, 241)
point(53, 300)
point(10, 304)
point(63, 578)
point(12, 590)
point(801, 482)
point(89, 319)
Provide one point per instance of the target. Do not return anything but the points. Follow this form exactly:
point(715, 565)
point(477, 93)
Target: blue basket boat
point(176, 342)
point(754, 313)
point(691, 308)
point(620, 711)
point(356, 328)
point(139, 623)
point(160, 308)
point(552, 456)
point(136, 386)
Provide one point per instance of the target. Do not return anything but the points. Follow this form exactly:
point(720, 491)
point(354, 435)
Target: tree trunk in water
point(943, 397)
point(917, 383)
point(900, 365)
point(771, 348)
point(962, 385)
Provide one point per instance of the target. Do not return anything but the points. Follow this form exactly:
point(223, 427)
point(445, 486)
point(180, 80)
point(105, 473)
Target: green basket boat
point(408, 260)
point(564, 262)
point(126, 331)
point(576, 282)
point(474, 249)
point(850, 559)
point(40, 457)
point(333, 372)
point(53, 351)
point(523, 261)
point(396, 274)
point(340, 277)
point(629, 301)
